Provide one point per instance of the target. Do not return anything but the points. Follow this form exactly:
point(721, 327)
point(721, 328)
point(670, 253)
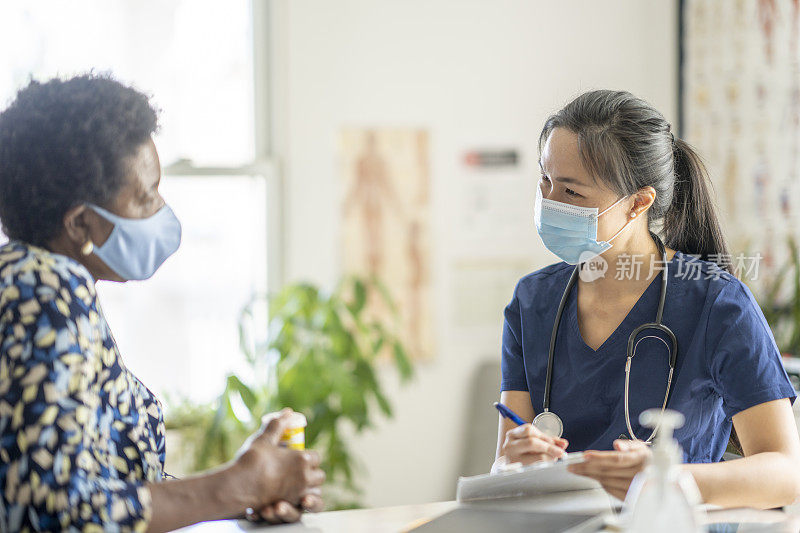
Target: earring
point(87, 248)
point(633, 215)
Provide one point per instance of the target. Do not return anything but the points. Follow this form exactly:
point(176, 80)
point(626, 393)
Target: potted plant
point(781, 303)
point(319, 354)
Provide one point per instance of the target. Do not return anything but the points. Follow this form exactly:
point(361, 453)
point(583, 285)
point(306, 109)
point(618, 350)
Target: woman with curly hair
point(81, 438)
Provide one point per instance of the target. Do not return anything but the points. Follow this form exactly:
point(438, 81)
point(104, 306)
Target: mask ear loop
point(628, 223)
point(623, 228)
point(609, 208)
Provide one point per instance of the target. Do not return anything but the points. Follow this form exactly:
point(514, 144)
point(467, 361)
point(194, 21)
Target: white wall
point(471, 72)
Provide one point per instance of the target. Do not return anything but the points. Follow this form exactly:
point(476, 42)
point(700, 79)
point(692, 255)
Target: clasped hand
point(281, 482)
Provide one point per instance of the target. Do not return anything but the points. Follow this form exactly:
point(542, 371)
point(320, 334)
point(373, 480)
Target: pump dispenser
point(663, 497)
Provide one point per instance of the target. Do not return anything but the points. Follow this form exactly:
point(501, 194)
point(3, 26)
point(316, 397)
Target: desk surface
point(384, 519)
point(405, 517)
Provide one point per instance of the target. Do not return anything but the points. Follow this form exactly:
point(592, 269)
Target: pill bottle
point(294, 436)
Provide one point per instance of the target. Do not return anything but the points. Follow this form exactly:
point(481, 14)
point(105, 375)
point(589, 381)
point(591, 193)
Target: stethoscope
point(549, 422)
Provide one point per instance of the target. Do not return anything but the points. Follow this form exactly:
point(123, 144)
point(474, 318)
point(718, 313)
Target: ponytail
point(690, 223)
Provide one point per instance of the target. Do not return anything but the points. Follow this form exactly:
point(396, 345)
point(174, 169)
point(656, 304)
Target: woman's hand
point(264, 480)
point(614, 469)
point(526, 444)
point(278, 482)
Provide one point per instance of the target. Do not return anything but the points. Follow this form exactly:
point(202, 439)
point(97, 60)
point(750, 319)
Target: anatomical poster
point(385, 225)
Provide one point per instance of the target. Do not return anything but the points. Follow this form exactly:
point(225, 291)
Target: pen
point(508, 413)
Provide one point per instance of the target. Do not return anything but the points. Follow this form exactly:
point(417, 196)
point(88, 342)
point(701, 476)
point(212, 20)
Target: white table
point(406, 517)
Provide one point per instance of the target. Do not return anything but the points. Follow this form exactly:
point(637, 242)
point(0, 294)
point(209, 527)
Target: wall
point(471, 72)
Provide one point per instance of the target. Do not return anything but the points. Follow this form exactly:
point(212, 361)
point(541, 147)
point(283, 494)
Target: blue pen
point(508, 413)
point(568, 458)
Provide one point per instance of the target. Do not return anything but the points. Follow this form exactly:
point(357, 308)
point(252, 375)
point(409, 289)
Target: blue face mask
point(138, 246)
point(570, 231)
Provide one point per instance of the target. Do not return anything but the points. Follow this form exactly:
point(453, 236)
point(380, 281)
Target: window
point(193, 56)
point(177, 331)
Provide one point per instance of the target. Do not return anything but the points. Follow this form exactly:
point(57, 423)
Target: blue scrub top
point(727, 358)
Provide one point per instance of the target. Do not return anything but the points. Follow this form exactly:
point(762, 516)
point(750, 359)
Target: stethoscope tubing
point(632, 343)
point(553, 335)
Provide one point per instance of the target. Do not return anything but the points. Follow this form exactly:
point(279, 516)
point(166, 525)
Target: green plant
point(781, 303)
point(319, 356)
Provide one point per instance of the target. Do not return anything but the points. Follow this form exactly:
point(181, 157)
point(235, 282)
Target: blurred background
point(371, 164)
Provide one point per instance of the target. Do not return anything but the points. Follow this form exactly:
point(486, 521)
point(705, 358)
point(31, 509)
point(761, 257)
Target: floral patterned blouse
point(80, 435)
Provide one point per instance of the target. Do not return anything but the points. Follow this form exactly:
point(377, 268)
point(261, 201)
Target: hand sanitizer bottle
point(663, 497)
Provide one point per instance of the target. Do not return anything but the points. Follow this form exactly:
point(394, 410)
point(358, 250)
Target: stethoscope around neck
point(549, 422)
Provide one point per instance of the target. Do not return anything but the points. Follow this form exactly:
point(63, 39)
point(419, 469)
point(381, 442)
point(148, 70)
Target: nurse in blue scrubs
point(615, 183)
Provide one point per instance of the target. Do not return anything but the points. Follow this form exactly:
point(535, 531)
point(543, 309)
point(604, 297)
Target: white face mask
point(570, 231)
point(137, 247)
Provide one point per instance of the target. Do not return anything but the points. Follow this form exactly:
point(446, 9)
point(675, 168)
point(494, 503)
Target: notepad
point(536, 479)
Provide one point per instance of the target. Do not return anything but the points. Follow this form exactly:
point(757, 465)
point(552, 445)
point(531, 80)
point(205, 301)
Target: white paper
point(536, 479)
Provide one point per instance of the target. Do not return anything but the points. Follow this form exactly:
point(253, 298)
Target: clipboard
point(532, 480)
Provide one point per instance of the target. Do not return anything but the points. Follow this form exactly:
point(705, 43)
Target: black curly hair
point(64, 143)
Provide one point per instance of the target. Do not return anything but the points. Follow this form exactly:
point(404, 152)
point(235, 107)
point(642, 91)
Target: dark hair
point(64, 143)
point(627, 143)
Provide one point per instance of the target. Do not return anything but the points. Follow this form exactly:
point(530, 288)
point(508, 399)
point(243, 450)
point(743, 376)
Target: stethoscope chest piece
point(549, 423)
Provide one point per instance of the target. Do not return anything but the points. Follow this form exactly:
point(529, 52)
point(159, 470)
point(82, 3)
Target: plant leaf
point(359, 296)
point(402, 362)
point(248, 396)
